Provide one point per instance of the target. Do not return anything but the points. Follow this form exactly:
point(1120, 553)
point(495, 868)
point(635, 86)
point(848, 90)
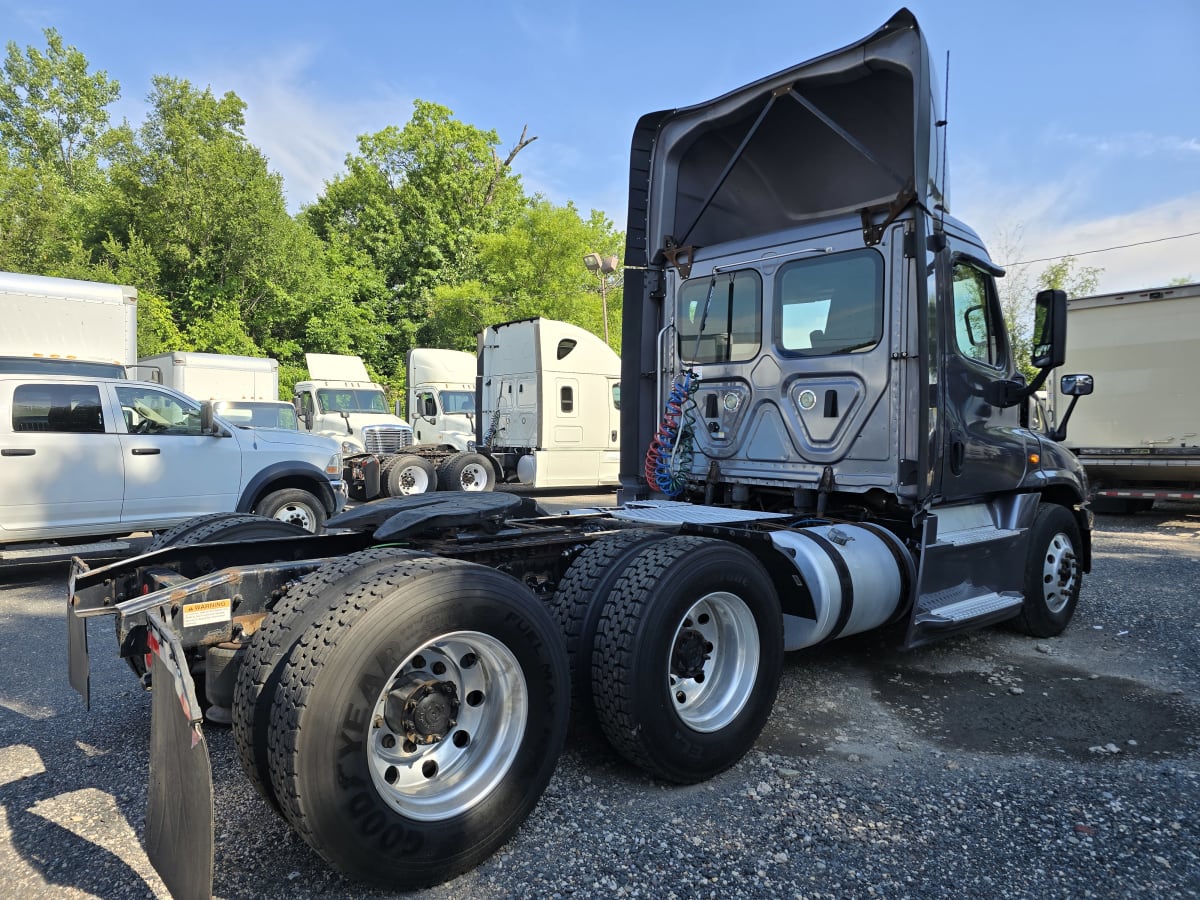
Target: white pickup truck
point(85, 457)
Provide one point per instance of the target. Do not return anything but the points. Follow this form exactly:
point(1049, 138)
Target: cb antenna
point(944, 125)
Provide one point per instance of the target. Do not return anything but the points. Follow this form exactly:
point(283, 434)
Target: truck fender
point(314, 480)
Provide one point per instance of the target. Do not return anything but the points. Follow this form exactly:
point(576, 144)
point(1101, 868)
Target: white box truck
point(244, 389)
point(1139, 436)
point(215, 376)
point(66, 326)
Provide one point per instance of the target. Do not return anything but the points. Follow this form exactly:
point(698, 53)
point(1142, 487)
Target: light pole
point(603, 266)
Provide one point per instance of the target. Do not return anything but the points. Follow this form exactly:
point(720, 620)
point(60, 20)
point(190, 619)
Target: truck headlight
point(350, 448)
point(334, 466)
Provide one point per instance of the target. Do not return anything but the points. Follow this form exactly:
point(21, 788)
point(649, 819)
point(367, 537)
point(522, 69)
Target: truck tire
point(416, 724)
point(1052, 574)
point(408, 474)
point(579, 601)
point(687, 657)
point(466, 472)
point(258, 673)
point(205, 529)
point(296, 506)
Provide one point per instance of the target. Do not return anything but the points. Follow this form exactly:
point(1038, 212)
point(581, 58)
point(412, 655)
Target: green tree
point(535, 267)
point(1066, 274)
point(53, 125)
point(53, 111)
point(239, 273)
point(415, 201)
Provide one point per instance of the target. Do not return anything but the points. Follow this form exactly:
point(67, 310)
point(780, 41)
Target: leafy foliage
point(424, 239)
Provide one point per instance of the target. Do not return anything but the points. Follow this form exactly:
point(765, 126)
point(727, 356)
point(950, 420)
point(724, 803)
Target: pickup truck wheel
point(466, 472)
point(306, 601)
point(416, 724)
point(687, 657)
point(1052, 576)
point(579, 601)
point(295, 506)
point(410, 474)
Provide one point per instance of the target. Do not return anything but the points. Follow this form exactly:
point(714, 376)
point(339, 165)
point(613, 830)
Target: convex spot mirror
point(1049, 330)
point(1076, 385)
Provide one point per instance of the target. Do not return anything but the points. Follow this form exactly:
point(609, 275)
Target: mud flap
point(78, 666)
point(179, 809)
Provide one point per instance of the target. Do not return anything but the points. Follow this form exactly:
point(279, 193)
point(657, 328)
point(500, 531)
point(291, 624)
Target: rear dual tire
point(687, 657)
point(417, 719)
point(405, 475)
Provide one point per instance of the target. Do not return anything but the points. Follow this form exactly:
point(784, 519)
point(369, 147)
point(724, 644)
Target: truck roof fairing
point(852, 130)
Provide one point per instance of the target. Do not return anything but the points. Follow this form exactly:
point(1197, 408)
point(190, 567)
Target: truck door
point(172, 471)
point(984, 446)
point(62, 464)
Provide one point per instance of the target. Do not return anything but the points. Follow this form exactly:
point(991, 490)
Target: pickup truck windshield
point(249, 414)
point(351, 400)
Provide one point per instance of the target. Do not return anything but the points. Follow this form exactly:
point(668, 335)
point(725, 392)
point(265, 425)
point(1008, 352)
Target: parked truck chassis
point(821, 376)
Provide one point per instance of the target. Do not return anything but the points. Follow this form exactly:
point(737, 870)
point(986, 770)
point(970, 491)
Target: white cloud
point(1136, 144)
point(306, 136)
point(1151, 261)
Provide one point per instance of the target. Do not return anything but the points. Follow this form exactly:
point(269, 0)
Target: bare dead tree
point(500, 167)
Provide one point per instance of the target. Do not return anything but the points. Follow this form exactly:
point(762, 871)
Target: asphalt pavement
point(989, 765)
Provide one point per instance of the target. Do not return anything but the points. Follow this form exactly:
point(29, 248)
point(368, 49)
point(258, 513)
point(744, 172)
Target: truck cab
point(441, 397)
point(340, 400)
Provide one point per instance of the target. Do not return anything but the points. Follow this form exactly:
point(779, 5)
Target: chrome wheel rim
point(1060, 571)
point(447, 726)
point(713, 661)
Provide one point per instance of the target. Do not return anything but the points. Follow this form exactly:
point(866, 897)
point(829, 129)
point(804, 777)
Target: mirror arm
point(1060, 429)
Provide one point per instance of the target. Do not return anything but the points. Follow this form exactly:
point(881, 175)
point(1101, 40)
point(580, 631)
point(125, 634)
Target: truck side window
point(831, 305)
point(71, 408)
point(976, 327)
point(150, 411)
point(733, 324)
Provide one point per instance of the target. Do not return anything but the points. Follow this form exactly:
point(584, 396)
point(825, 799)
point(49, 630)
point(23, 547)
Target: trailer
point(821, 422)
point(1139, 441)
point(67, 326)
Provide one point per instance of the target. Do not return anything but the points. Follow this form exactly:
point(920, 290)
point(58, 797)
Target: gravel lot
point(988, 765)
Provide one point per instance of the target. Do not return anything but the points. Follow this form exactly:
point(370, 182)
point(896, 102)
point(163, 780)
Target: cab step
point(969, 610)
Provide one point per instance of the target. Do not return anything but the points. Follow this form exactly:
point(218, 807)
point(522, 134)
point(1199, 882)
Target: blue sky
point(1073, 125)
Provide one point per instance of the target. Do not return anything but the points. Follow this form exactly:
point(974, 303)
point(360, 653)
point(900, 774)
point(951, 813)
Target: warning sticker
point(207, 613)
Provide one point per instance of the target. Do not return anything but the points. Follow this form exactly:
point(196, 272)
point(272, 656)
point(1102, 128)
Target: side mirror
point(206, 417)
point(1076, 385)
point(1073, 386)
point(1049, 348)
